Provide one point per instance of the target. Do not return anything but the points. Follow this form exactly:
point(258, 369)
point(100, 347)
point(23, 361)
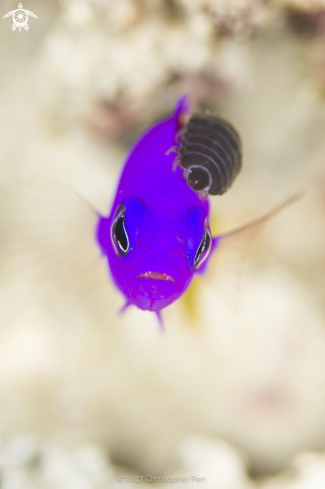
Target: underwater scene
point(162, 244)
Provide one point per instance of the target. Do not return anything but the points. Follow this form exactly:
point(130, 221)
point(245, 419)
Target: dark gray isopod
point(211, 154)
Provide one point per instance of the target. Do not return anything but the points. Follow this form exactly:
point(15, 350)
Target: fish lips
point(153, 286)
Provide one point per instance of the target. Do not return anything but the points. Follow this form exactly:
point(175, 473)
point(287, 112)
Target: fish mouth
point(157, 276)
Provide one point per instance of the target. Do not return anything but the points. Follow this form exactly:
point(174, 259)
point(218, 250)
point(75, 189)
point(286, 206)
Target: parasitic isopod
point(210, 153)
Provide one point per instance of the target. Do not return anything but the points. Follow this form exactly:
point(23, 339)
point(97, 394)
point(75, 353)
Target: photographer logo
point(20, 18)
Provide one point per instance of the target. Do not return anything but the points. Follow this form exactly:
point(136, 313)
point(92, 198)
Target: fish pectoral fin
point(229, 252)
point(48, 234)
point(263, 219)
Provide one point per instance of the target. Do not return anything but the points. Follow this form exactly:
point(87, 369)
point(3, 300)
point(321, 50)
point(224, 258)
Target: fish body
point(157, 223)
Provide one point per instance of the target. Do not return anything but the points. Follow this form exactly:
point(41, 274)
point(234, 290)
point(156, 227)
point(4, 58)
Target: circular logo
point(20, 17)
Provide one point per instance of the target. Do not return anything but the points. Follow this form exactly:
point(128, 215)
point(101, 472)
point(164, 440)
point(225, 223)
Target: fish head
point(153, 254)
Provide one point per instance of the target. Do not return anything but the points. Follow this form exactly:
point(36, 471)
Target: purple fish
point(157, 235)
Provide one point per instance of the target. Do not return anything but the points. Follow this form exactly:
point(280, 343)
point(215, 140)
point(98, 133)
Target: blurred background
point(234, 391)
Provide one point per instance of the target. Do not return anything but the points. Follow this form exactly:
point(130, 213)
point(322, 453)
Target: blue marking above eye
point(135, 210)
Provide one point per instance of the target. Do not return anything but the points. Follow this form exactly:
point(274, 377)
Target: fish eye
point(119, 235)
point(204, 248)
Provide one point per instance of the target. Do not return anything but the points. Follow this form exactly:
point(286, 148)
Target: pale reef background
point(234, 390)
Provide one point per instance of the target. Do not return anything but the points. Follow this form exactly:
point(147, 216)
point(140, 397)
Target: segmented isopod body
point(211, 154)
